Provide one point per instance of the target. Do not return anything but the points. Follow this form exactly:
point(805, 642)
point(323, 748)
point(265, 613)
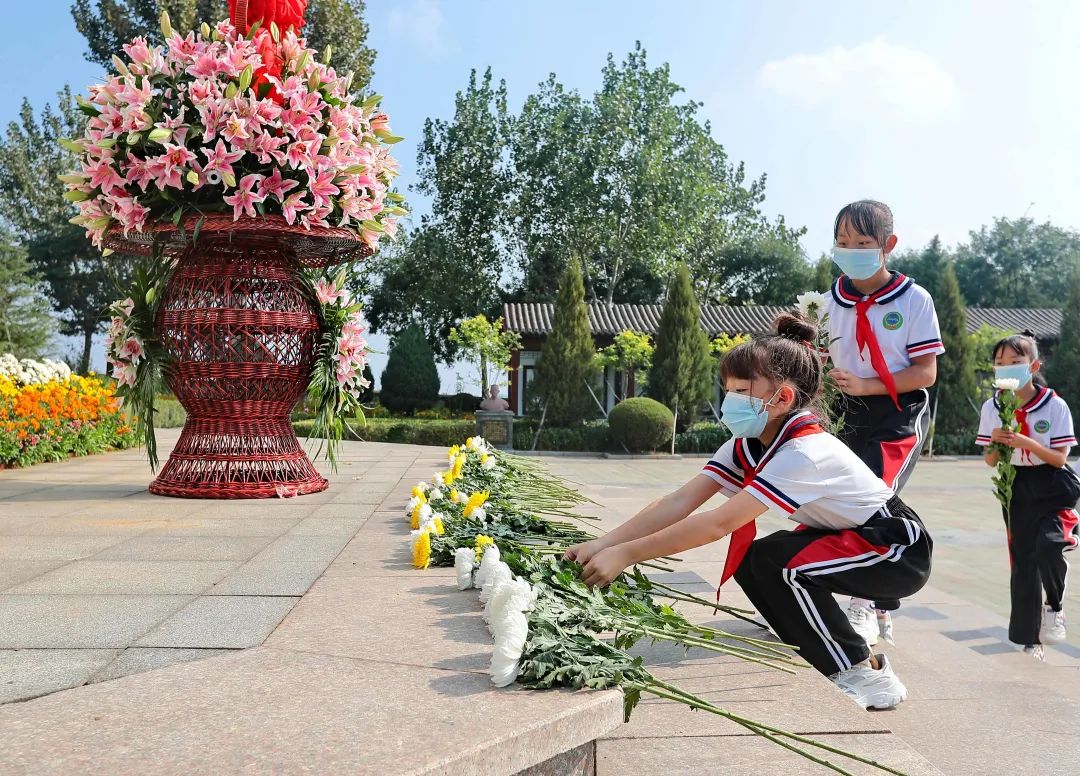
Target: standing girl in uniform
point(884, 346)
point(1041, 519)
point(855, 537)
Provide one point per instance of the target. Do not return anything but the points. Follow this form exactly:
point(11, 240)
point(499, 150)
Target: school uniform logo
point(1042, 426)
point(892, 321)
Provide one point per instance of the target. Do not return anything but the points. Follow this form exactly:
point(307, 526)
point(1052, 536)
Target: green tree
point(825, 273)
point(25, 324)
point(1017, 263)
point(108, 24)
point(771, 271)
point(956, 388)
point(982, 342)
point(485, 343)
point(411, 380)
point(450, 267)
point(80, 282)
point(566, 363)
point(1063, 370)
point(629, 353)
point(682, 376)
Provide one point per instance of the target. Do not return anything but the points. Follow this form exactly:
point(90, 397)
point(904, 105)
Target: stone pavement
point(306, 609)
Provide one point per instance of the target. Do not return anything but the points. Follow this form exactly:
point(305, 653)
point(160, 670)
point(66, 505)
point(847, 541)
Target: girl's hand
point(848, 383)
point(584, 552)
point(1004, 437)
point(1021, 442)
point(605, 566)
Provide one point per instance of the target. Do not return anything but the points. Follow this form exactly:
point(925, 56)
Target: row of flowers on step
point(49, 420)
point(27, 371)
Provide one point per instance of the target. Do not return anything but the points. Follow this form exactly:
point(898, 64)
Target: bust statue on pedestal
point(493, 402)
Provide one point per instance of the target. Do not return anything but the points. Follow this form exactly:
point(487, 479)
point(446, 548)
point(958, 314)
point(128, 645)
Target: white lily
point(1007, 384)
point(464, 565)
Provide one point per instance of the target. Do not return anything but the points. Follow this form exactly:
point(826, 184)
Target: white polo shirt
point(903, 319)
point(1049, 423)
point(815, 480)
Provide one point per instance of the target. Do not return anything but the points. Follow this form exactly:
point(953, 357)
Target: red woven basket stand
point(241, 331)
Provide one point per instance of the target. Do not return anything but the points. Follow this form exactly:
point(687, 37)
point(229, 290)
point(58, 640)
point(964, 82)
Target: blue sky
point(953, 113)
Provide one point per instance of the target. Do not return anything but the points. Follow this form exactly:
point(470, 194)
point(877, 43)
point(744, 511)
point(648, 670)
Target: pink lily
point(276, 185)
point(244, 199)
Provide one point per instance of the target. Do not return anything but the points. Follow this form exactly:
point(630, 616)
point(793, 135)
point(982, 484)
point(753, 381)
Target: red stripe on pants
point(1069, 520)
point(836, 546)
point(893, 457)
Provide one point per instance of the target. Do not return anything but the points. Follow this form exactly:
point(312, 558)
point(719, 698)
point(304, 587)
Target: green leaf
point(245, 79)
point(70, 145)
point(371, 101)
point(198, 229)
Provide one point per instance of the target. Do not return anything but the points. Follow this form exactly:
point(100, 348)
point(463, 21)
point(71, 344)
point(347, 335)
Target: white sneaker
point(864, 622)
point(1035, 651)
point(872, 688)
point(1053, 628)
point(884, 623)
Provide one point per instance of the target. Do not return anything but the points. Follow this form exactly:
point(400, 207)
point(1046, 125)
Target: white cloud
point(421, 22)
point(876, 76)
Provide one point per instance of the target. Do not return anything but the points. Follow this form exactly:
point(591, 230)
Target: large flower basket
point(240, 329)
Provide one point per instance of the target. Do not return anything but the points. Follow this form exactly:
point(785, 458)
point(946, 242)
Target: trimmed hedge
point(593, 437)
point(641, 424)
point(437, 433)
point(701, 438)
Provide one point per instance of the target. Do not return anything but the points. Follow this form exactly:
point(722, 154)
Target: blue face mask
point(745, 416)
point(1021, 372)
point(857, 263)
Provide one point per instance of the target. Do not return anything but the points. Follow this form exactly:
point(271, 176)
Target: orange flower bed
point(53, 420)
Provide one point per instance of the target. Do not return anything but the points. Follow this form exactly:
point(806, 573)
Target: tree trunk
point(88, 341)
point(483, 377)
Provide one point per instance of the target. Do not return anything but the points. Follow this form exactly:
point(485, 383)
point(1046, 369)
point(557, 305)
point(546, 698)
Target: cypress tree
point(682, 372)
point(1063, 369)
point(411, 379)
point(566, 359)
point(956, 386)
point(825, 273)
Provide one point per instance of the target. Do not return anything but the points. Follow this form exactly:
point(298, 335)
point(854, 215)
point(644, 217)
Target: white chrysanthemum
point(500, 573)
point(423, 486)
point(1007, 384)
point(413, 503)
point(479, 514)
point(464, 564)
point(460, 497)
point(812, 304)
point(511, 633)
point(487, 461)
point(425, 513)
point(489, 560)
point(435, 495)
point(438, 479)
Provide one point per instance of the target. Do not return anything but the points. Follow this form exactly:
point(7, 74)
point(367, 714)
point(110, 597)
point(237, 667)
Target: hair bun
point(1028, 333)
point(793, 325)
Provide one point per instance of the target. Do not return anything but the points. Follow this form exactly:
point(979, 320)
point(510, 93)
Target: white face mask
point(857, 263)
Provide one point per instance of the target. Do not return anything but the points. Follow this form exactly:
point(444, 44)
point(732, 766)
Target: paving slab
point(206, 525)
point(747, 755)
point(29, 673)
point(14, 572)
point(433, 624)
point(54, 547)
point(81, 621)
point(136, 660)
point(134, 577)
point(221, 622)
point(317, 525)
point(297, 713)
point(202, 548)
point(270, 577)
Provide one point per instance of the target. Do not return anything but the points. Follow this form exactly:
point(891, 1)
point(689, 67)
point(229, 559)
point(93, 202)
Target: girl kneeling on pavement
point(854, 538)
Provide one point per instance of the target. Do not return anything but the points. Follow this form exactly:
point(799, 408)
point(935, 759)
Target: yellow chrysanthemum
point(459, 463)
point(476, 500)
point(470, 443)
point(448, 476)
point(437, 526)
point(453, 495)
point(451, 454)
point(484, 458)
point(414, 521)
point(421, 550)
point(418, 492)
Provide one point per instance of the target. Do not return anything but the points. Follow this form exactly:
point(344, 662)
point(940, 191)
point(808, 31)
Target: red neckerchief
point(742, 537)
point(1021, 416)
point(865, 338)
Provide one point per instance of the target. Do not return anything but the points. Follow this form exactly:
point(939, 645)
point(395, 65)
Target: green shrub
point(641, 425)
point(701, 438)
point(168, 413)
point(592, 437)
point(437, 433)
point(956, 444)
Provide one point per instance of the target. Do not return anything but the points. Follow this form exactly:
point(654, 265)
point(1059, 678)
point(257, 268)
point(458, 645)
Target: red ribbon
point(743, 536)
point(865, 338)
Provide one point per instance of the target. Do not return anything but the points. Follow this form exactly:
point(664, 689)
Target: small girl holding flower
point(1041, 517)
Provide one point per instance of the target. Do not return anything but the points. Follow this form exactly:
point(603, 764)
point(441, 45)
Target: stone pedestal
point(497, 428)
